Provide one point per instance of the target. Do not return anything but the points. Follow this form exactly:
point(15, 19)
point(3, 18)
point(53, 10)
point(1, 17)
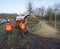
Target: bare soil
point(30, 41)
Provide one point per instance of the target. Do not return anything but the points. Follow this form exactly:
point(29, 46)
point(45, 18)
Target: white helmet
point(9, 20)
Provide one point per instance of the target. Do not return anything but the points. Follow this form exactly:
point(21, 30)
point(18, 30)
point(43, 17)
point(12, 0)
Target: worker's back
point(8, 26)
point(22, 25)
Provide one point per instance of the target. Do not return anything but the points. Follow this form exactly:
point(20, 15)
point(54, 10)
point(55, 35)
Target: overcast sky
point(20, 6)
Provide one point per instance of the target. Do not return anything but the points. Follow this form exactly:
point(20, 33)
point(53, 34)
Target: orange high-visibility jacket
point(22, 26)
point(8, 26)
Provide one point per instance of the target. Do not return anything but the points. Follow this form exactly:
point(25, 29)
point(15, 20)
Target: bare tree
point(42, 11)
point(57, 6)
point(49, 14)
point(30, 7)
point(39, 12)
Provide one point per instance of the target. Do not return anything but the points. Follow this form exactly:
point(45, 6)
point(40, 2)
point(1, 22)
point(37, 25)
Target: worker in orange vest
point(22, 27)
point(8, 27)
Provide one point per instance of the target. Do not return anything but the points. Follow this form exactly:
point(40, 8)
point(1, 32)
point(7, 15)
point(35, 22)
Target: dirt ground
point(30, 41)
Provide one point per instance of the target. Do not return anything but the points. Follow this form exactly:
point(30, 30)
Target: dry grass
point(43, 29)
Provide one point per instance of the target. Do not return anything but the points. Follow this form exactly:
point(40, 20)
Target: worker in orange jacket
point(22, 27)
point(8, 27)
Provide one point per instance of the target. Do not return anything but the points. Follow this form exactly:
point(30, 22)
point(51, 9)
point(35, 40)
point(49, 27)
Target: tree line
point(45, 13)
point(8, 16)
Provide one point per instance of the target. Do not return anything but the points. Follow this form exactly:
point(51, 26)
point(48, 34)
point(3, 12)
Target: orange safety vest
point(22, 26)
point(8, 26)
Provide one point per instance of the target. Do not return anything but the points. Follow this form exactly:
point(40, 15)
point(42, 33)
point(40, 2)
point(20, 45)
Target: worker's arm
point(12, 25)
point(5, 26)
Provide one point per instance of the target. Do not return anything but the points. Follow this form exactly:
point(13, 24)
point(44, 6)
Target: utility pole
point(55, 17)
point(55, 20)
